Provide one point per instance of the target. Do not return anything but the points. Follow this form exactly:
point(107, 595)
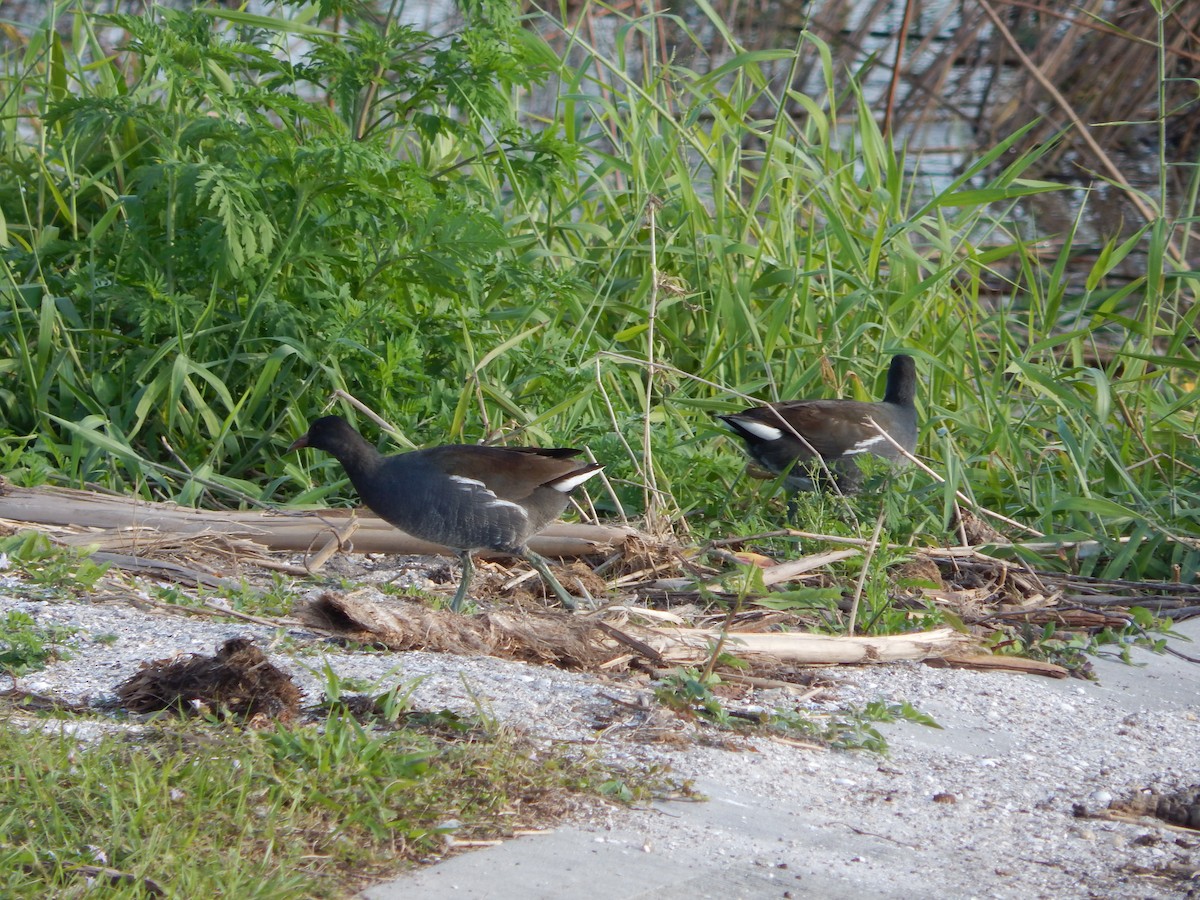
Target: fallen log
point(108, 519)
point(687, 645)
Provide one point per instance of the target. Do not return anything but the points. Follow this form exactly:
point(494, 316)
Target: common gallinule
point(790, 436)
point(466, 496)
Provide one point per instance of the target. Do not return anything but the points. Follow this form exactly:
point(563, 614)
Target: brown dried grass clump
point(239, 681)
point(537, 637)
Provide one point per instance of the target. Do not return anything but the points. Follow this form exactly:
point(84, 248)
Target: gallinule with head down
point(465, 496)
point(805, 437)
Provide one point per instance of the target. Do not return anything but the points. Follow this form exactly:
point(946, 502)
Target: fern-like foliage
point(233, 202)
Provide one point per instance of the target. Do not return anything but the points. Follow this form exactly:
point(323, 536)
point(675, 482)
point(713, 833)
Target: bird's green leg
point(468, 569)
point(544, 570)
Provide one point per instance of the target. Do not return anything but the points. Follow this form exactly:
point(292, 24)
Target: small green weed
point(386, 704)
point(851, 728)
point(1048, 644)
point(26, 646)
point(688, 691)
point(1145, 630)
point(1071, 649)
point(45, 564)
point(275, 600)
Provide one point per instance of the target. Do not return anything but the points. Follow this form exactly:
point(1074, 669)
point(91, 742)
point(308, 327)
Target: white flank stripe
point(476, 486)
point(759, 430)
point(569, 484)
point(865, 445)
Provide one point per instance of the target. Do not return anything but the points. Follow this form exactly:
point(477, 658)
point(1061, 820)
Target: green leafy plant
point(690, 690)
point(50, 566)
point(1049, 643)
point(26, 646)
point(198, 252)
point(851, 728)
point(1145, 630)
point(275, 599)
point(1071, 649)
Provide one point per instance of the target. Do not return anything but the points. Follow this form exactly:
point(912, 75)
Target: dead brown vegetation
point(238, 681)
point(1088, 68)
point(657, 609)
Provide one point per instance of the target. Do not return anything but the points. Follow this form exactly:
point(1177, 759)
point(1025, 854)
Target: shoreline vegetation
point(213, 223)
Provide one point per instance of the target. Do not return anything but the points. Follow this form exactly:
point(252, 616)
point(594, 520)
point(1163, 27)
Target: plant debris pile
point(239, 681)
point(1180, 808)
point(543, 638)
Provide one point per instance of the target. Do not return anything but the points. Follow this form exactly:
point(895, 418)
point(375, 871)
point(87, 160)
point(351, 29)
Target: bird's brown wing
point(510, 473)
point(830, 427)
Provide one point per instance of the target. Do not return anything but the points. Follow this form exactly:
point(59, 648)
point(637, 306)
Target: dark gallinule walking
point(465, 496)
point(790, 436)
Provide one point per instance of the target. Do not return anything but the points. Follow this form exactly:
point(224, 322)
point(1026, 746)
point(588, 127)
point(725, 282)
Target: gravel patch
point(985, 807)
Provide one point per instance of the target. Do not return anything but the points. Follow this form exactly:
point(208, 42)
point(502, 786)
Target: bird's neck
point(900, 393)
point(359, 459)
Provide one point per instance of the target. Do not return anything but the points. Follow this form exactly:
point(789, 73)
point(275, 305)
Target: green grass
point(197, 255)
point(313, 810)
point(49, 567)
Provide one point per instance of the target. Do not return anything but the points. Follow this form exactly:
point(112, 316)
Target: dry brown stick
point(761, 536)
point(276, 566)
point(792, 742)
point(336, 542)
point(1183, 656)
point(901, 43)
point(964, 550)
point(724, 636)
point(641, 647)
point(984, 662)
point(694, 644)
point(654, 519)
point(1158, 604)
point(965, 555)
point(165, 569)
point(801, 692)
point(1123, 583)
point(372, 415)
point(794, 568)
point(290, 530)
